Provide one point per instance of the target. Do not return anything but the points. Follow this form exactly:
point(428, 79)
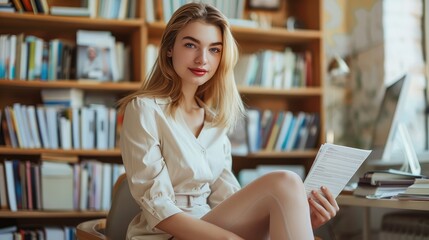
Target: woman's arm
point(183, 226)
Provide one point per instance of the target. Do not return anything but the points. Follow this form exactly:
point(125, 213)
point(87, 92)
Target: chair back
point(123, 210)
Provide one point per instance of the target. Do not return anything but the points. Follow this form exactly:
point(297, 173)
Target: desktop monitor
point(390, 115)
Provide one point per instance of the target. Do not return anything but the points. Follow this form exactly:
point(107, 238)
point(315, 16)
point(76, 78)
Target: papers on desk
point(333, 167)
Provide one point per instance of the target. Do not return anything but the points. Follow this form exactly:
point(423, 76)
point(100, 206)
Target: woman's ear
point(169, 53)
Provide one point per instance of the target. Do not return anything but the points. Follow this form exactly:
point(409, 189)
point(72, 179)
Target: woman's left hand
point(322, 208)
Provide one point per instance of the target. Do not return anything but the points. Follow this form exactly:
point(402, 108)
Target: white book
point(112, 129)
point(57, 182)
point(123, 7)
point(87, 123)
point(166, 10)
point(289, 68)
point(33, 126)
point(19, 123)
point(65, 133)
point(119, 46)
point(151, 55)
point(70, 11)
point(253, 127)
point(38, 56)
point(23, 62)
point(26, 127)
point(150, 11)
point(83, 196)
point(75, 120)
point(106, 193)
point(92, 7)
point(41, 120)
point(10, 183)
point(53, 59)
point(52, 126)
point(54, 233)
point(101, 126)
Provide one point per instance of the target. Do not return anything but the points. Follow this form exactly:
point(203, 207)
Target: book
point(333, 167)
point(420, 187)
point(57, 186)
point(378, 192)
point(96, 56)
point(390, 174)
point(70, 11)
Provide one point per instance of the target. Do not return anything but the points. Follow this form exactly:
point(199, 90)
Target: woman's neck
point(189, 103)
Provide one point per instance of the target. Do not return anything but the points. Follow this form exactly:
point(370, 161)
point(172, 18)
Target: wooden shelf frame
point(29, 20)
point(38, 85)
point(72, 152)
point(266, 35)
point(52, 214)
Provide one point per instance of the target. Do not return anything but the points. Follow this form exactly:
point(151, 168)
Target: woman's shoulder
point(147, 104)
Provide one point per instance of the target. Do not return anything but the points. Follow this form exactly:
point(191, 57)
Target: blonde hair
point(220, 92)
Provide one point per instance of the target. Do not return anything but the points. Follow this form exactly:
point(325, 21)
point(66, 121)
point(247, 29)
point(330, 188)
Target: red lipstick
point(198, 71)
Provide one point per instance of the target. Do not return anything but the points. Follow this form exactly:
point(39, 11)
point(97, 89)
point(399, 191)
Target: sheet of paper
point(333, 167)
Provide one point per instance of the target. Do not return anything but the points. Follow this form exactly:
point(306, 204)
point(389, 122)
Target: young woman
point(177, 155)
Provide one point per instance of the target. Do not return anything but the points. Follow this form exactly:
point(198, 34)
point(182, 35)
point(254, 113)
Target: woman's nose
point(201, 57)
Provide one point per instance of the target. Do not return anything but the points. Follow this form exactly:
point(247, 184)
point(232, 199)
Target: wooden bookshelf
point(73, 152)
point(53, 214)
point(137, 33)
point(47, 27)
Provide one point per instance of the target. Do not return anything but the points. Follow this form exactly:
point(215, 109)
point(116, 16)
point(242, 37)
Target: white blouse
point(163, 159)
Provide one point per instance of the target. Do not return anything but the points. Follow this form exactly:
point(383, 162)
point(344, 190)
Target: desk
point(349, 200)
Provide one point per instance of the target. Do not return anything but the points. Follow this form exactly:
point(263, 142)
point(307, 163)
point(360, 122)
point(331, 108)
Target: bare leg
point(273, 206)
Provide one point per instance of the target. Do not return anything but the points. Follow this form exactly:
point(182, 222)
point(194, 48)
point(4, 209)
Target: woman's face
point(196, 53)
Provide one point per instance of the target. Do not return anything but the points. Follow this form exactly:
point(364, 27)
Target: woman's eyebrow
point(198, 41)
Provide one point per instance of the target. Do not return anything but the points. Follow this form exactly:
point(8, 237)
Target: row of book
point(393, 184)
point(37, 232)
point(163, 10)
point(85, 185)
point(268, 130)
point(51, 127)
point(98, 56)
point(275, 69)
point(111, 9)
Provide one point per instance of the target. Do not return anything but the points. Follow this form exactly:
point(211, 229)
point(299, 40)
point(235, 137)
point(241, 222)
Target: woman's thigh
point(247, 212)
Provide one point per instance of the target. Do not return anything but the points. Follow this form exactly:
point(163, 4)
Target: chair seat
point(92, 230)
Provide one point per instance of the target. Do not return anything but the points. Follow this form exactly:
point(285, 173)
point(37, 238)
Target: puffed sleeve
point(226, 184)
point(146, 170)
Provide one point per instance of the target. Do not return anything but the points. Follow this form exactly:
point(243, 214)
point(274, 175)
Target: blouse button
point(203, 151)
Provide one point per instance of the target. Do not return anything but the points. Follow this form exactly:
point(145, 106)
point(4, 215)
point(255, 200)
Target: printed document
point(333, 167)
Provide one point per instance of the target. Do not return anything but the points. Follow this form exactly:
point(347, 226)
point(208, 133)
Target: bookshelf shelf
point(292, 92)
point(258, 35)
point(80, 84)
point(28, 20)
point(290, 154)
point(88, 153)
point(137, 33)
point(53, 214)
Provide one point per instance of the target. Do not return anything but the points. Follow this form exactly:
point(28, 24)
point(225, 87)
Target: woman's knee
point(284, 179)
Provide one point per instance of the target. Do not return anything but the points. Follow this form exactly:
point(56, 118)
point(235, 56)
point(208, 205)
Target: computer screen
point(388, 118)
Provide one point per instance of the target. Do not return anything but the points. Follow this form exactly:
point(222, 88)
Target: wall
point(379, 40)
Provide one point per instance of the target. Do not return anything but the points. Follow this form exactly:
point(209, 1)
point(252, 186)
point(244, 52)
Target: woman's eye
point(190, 45)
point(215, 50)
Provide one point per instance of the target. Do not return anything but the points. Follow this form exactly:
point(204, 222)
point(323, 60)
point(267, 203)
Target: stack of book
point(384, 183)
point(418, 191)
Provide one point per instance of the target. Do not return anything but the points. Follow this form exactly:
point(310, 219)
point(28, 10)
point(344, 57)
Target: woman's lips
point(198, 71)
